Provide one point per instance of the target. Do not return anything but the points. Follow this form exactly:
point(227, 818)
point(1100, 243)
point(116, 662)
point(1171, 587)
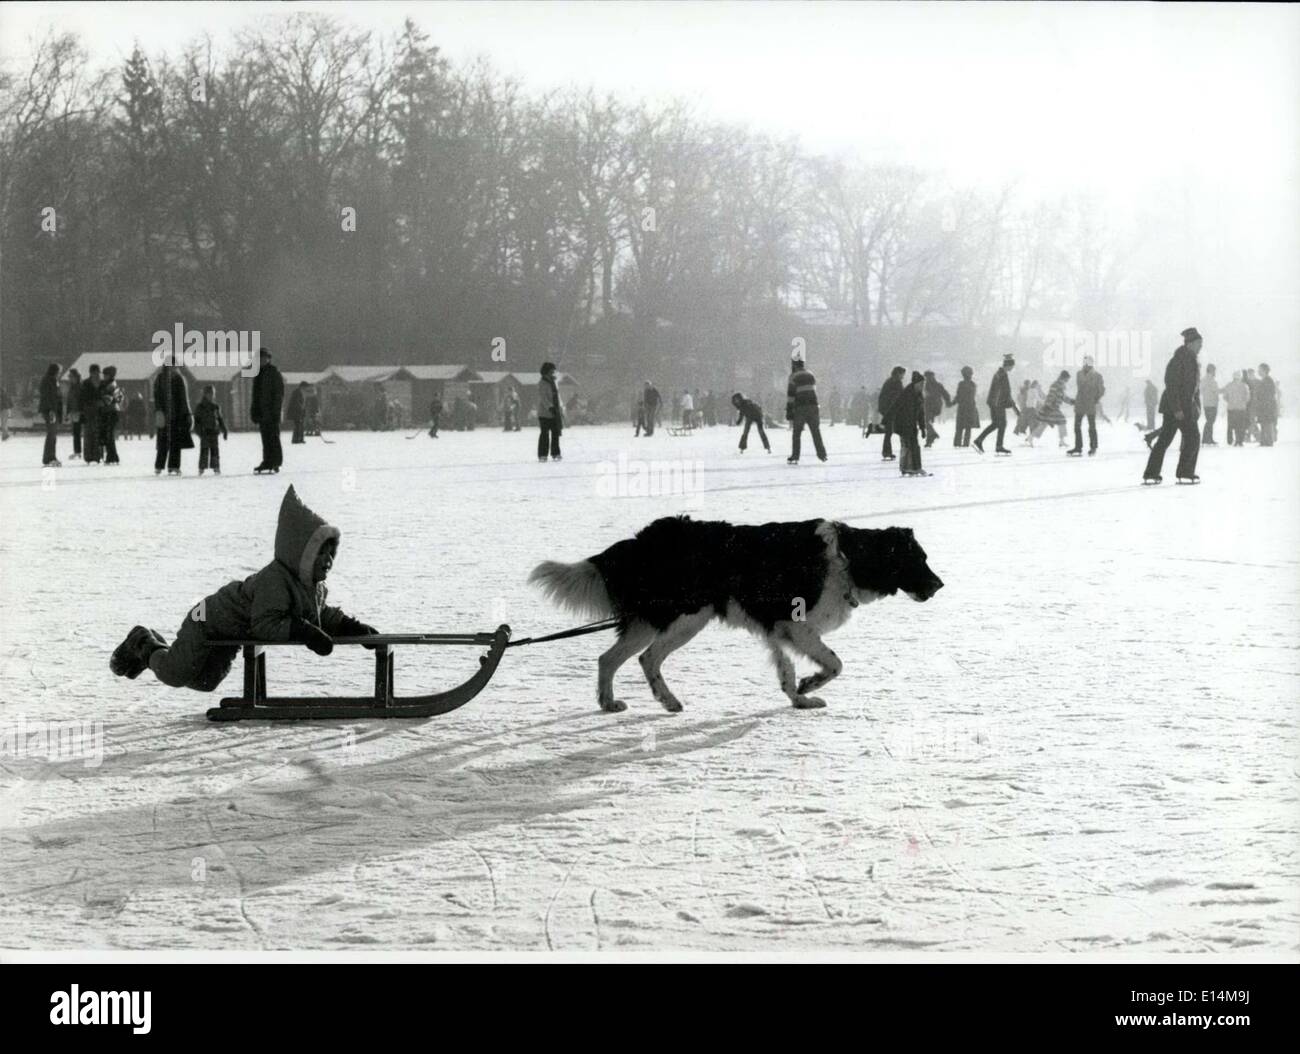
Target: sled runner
point(682, 430)
point(255, 705)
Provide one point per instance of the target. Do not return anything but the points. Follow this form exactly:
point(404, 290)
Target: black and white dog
point(787, 582)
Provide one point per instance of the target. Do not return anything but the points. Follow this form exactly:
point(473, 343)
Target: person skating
point(687, 410)
point(801, 410)
point(858, 409)
point(510, 412)
point(1209, 391)
point(910, 420)
point(1179, 409)
point(968, 415)
point(1236, 397)
point(136, 415)
point(890, 392)
point(72, 409)
point(1089, 387)
point(550, 414)
point(1266, 405)
point(435, 416)
point(209, 423)
point(268, 402)
point(936, 399)
point(6, 404)
point(1022, 400)
point(284, 601)
point(50, 407)
point(172, 419)
point(1252, 411)
point(999, 401)
point(752, 414)
point(89, 405)
point(1150, 398)
point(1050, 414)
point(111, 401)
point(297, 411)
point(653, 402)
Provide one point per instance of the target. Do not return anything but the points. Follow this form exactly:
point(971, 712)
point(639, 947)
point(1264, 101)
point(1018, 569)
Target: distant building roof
point(212, 374)
point(535, 378)
point(131, 365)
point(443, 373)
point(292, 378)
point(353, 374)
point(493, 376)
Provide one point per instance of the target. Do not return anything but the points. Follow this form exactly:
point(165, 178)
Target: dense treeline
point(363, 200)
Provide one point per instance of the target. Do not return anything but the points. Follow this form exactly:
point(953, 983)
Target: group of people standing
point(94, 406)
point(1250, 401)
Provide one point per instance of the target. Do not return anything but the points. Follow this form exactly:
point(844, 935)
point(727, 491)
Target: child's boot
point(131, 657)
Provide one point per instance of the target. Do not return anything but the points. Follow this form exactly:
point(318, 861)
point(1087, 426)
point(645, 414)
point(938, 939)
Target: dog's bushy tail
point(579, 587)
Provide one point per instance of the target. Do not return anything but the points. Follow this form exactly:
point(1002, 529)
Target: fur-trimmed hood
point(299, 534)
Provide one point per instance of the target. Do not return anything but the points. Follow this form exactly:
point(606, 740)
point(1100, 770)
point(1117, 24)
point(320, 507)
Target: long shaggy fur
point(786, 582)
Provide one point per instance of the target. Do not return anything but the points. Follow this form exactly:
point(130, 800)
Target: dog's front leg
point(631, 640)
point(785, 672)
point(804, 639)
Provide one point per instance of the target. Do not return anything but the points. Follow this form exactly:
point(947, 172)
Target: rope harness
point(577, 631)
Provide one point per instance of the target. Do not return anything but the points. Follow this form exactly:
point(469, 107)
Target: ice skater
point(284, 601)
point(297, 412)
point(50, 408)
point(968, 415)
point(1266, 405)
point(911, 421)
point(801, 410)
point(112, 399)
point(435, 416)
point(172, 419)
point(1209, 390)
point(1150, 398)
point(550, 414)
point(890, 392)
point(209, 423)
point(752, 414)
point(937, 400)
point(1236, 397)
point(1050, 413)
point(1179, 409)
point(1089, 387)
point(999, 402)
point(268, 401)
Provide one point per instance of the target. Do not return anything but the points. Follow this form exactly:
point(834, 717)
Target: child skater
point(752, 414)
point(285, 601)
point(208, 422)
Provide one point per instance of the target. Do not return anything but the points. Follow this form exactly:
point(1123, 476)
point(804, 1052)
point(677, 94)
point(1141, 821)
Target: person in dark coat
point(999, 402)
point(1266, 405)
point(936, 398)
point(890, 392)
point(968, 415)
point(752, 414)
point(111, 401)
point(297, 412)
point(209, 423)
point(858, 409)
point(89, 403)
point(653, 401)
point(801, 410)
point(268, 401)
point(172, 419)
point(550, 414)
point(50, 408)
point(435, 416)
point(72, 409)
point(285, 601)
point(910, 421)
point(1179, 409)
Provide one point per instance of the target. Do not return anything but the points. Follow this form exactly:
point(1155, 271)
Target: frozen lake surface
point(1086, 742)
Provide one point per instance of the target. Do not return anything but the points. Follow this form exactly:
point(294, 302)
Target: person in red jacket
point(285, 601)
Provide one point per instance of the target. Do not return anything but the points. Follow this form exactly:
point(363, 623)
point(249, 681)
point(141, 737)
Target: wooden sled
point(682, 430)
point(255, 705)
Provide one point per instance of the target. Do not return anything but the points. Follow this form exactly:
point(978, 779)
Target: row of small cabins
point(414, 387)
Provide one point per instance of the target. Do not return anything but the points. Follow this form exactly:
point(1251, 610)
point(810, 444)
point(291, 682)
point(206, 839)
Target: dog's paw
point(810, 681)
point(809, 702)
point(614, 706)
point(673, 706)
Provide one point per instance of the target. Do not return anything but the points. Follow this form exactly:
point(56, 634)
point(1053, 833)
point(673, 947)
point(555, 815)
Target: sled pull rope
point(577, 631)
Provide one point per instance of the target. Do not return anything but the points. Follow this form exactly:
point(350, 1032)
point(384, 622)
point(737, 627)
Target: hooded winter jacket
point(264, 604)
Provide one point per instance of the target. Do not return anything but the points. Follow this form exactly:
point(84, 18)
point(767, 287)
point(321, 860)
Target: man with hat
point(801, 408)
point(1180, 407)
point(999, 402)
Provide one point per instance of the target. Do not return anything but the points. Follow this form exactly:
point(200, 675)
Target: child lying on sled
point(285, 601)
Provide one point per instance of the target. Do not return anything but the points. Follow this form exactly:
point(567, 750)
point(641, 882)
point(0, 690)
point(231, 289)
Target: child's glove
point(225, 436)
point(350, 627)
point(301, 632)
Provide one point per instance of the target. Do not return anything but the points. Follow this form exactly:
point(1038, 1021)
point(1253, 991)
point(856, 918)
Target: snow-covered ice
point(1086, 742)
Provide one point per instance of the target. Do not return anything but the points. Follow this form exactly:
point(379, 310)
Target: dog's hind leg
point(806, 640)
point(681, 630)
point(631, 639)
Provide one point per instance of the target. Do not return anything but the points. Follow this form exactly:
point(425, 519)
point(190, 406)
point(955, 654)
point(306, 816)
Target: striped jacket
point(801, 391)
